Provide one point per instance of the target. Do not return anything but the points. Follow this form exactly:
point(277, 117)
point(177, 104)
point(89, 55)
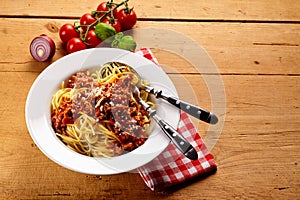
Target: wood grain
point(252, 135)
point(254, 10)
point(256, 48)
point(235, 48)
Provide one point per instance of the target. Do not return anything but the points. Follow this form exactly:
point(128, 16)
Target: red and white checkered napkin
point(171, 166)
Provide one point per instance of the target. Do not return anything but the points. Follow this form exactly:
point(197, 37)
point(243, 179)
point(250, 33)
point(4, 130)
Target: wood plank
point(236, 48)
point(268, 10)
point(261, 126)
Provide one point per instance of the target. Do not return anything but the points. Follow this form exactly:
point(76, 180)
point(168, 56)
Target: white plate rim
point(75, 161)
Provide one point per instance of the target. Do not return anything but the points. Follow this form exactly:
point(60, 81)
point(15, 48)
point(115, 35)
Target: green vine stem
point(111, 7)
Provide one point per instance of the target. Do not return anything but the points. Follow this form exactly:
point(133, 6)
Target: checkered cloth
point(171, 166)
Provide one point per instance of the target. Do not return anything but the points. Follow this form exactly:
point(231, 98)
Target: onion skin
point(42, 48)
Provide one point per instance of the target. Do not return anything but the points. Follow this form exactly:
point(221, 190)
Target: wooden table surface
point(256, 47)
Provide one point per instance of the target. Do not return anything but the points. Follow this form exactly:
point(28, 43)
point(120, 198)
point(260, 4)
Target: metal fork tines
point(178, 140)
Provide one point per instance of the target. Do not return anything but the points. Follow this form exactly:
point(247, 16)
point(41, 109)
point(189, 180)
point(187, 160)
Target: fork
point(178, 140)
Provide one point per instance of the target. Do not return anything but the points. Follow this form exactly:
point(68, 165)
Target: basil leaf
point(127, 42)
point(105, 32)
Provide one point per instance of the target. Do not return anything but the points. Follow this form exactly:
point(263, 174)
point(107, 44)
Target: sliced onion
point(42, 48)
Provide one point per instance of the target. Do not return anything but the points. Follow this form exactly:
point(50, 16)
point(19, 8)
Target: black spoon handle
point(191, 109)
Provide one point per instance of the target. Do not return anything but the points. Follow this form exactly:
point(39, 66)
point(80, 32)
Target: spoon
point(178, 140)
point(191, 109)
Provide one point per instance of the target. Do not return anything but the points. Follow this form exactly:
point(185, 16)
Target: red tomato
point(116, 24)
point(75, 44)
point(127, 18)
point(102, 7)
point(67, 32)
point(92, 39)
point(86, 20)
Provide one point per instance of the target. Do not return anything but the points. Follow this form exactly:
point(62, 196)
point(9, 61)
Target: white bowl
point(38, 119)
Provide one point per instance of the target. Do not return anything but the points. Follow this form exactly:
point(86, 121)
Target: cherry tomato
point(67, 32)
point(102, 7)
point(127, 18)
point(116, 24)
point(86, 20)
point(92, 39)
point(75, 44)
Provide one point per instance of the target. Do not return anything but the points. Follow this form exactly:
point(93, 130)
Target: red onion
point(42, 48)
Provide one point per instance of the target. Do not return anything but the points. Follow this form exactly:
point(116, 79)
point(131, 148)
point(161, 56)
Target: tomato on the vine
point(86, 20)
point(67, 32)
point(127, 18)
point(103, 7)
point(92, 39)
point(115, 23)
point(101, 25)
point(75, 44)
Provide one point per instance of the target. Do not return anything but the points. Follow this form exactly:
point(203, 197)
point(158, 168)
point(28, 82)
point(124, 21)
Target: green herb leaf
point(127, 42)
point(105, 32)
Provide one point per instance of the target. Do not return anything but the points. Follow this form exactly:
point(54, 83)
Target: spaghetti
point(95, 114)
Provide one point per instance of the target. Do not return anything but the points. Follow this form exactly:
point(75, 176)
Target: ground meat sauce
point(110, 102)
